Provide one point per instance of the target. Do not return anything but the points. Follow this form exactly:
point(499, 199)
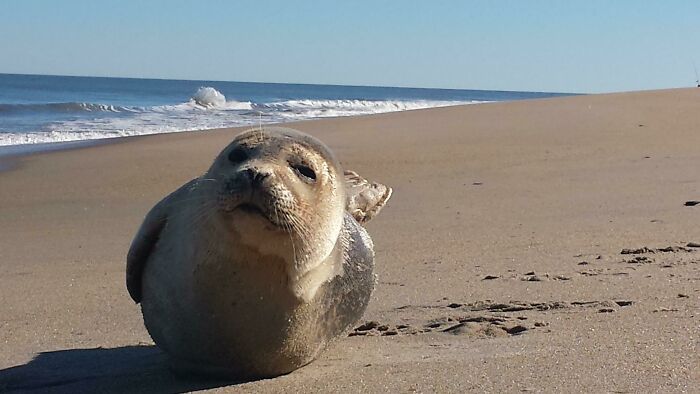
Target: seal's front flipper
point(147, 237)
point(141, 248)
point(364, 199)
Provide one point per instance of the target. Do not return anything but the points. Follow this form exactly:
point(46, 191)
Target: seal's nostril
point(249, 174)
point(254, 176)
point(260, 177)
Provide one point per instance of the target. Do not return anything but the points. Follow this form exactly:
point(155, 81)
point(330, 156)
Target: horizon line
point(289, 83)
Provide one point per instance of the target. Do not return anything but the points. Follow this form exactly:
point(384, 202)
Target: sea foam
point(208, 108)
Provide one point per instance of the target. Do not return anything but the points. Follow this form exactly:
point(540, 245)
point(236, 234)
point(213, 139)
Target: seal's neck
point(305, 284)
point(319, 259)
point(308, 260)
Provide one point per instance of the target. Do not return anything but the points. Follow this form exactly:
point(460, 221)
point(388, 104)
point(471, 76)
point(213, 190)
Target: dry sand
point(499, 255)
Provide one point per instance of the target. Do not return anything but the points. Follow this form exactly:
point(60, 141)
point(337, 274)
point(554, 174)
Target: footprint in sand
point(491, 319)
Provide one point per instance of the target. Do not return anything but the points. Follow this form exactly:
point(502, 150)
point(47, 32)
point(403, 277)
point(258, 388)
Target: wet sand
point(529, 246)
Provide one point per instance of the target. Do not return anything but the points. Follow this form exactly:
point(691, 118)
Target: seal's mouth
point(256, 210)
point(250, 208)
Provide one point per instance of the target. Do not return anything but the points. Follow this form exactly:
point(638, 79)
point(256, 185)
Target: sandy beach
point(541, 245)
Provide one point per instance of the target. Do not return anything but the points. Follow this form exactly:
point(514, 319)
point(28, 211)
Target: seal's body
point(251, 269)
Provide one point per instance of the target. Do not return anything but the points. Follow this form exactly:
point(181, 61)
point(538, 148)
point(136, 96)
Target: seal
point(250, 270)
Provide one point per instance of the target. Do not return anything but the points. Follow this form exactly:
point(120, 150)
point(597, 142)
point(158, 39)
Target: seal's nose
point(259, 178)
point(255, 176)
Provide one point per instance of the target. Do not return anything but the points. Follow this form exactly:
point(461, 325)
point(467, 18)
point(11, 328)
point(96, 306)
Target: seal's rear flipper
point(365, 199)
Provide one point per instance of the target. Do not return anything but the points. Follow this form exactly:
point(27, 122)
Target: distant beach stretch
point(44, 109)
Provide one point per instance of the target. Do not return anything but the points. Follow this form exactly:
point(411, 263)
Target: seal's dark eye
point(305, 171)
point(237, 155)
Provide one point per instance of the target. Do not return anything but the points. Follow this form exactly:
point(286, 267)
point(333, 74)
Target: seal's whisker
point(201, 216)
point(201, 210)
point(186, 201)
point(299, 226)
point(295, 229)
point(287, 229)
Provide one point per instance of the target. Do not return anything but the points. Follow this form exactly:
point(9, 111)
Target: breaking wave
point(347, 107)
point(209, 97)
point(208, 108)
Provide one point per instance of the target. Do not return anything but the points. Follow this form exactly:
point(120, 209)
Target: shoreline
point(541, 245)
point(12, 155)
point(13, 152)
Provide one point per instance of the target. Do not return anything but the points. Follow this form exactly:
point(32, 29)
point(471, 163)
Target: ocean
point(41, 110)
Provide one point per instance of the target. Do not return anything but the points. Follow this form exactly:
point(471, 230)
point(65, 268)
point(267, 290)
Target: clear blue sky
point(568, 46)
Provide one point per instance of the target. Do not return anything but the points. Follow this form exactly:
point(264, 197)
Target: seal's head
point(283, 193)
